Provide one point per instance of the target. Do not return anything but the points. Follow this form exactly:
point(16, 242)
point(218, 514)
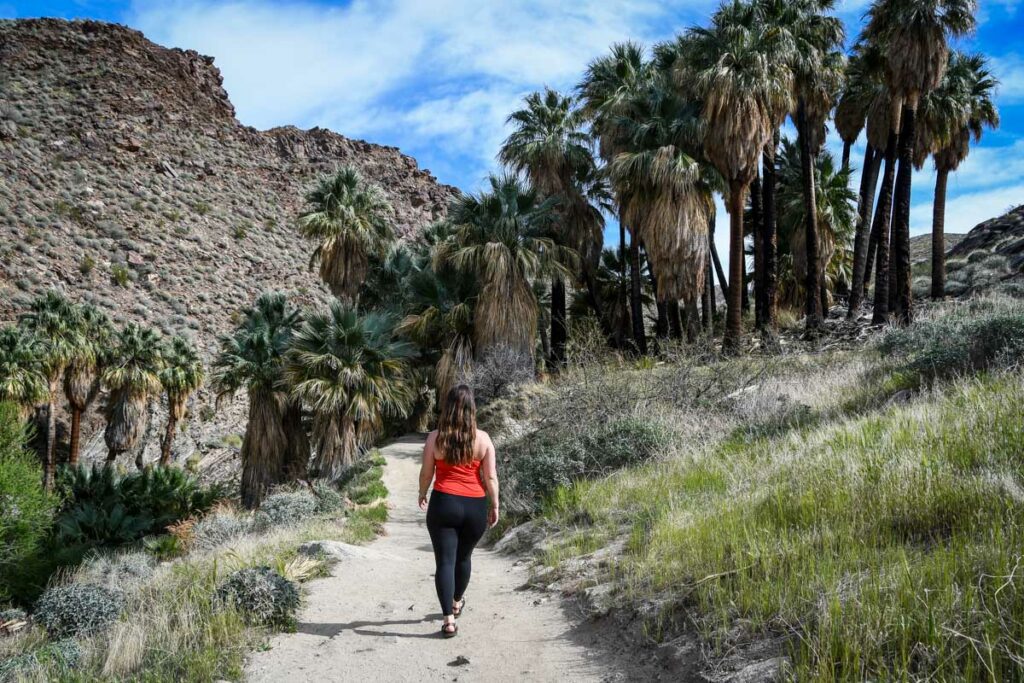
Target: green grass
point(885, 547)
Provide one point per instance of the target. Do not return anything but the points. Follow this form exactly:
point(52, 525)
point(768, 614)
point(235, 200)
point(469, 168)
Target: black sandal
point(445, 633)
point(457, 611)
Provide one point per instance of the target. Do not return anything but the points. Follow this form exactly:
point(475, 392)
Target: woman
point(459, 458)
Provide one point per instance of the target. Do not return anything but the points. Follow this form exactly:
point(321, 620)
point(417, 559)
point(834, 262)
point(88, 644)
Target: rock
point(165, 168)
point(598, 600)
point(336, 550)
point(135, 258)
point(8, 130)
point(520, 538)
point(765, 671)
point(461, 660)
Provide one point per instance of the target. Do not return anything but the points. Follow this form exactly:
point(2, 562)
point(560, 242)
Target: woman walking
point(459, 459)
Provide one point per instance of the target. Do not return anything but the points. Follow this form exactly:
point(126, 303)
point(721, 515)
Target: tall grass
point(885, 547)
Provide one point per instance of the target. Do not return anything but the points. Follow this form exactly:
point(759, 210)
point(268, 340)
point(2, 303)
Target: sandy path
point(377, 618)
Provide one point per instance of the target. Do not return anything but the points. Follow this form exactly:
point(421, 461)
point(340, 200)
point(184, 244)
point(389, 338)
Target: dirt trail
point(377, 618)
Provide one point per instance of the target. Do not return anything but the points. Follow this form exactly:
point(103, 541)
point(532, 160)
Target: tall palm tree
point(22, 369)
point(657, 175)
point(56, 322)
point(549, 145)
point(725, 68)
point(82, 377)
point(181, 375)
point(864, 92)
point(133, 379)
point(959, 109)
point(503, 237)
point(252, 358)
point(607, 88)
point(915, 34)
point(351, 219)
point(350, 372)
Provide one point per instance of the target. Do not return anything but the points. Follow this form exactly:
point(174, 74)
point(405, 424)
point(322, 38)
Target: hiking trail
point(376, 618)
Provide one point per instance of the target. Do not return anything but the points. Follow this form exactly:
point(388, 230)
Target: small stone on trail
point(461, 660)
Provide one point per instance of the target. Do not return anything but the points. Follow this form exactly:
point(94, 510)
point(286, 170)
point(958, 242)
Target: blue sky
point(438, 77)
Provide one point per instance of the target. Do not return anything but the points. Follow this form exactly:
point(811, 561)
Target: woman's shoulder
point(483, 438)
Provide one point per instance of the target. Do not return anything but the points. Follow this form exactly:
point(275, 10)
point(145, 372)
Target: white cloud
point(1009, 68)
point(966, 210)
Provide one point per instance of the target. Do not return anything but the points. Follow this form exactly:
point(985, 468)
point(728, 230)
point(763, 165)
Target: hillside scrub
point(194, 617)
point(881, 542)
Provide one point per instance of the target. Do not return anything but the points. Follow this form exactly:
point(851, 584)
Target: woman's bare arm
point(489, 474)
point(427, 469)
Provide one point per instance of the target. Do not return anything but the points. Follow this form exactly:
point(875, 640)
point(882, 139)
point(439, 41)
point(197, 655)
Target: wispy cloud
point(1009, 68)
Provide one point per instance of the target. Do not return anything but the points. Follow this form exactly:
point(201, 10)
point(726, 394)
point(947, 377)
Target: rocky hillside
point(125, 179)
point(990, 256)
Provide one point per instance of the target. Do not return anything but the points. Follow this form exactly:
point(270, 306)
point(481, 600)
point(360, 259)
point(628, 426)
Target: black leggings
point(455, 524)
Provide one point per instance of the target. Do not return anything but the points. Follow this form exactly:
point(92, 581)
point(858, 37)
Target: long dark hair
point(456, 428)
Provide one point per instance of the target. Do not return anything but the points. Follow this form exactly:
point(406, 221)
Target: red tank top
point(458, 480)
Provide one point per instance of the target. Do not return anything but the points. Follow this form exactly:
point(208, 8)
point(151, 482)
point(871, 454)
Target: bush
point(286, 507)
point(536, 465)
point(328, 498)
point(498, 372)
point(78, 609)
point(62, 655)
point(262, 595)
point(960, 342)
point(125, 571)
point(104, 509)
point(26, 509)
point(216, 529)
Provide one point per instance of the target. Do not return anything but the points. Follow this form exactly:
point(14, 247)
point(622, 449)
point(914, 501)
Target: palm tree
point(959, 109)
point(864, 98)
point(609, 280)
point(550, 147)
point(607, 88)
point(23, 380)
point(502, 236)
point(252, 358)
point(350, 372)
point(82, 377)
point(56, 323)
point(725, 68)
point(181, 375)
point(915, 34)
point(132, 378)
point(662, 187)
point(836, 220)
point(351, 219)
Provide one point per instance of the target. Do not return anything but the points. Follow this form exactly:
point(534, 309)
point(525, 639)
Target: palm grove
point(649, 136)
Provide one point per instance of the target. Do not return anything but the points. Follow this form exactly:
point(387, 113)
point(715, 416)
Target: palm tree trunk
point(168, 440)
point(901, 209)
point(862, 236)
point(708, 297)
point(594, 300)
point(756, 197)
point(692, 321)
point(49, 463)
point(722, 282)
point(734, 314)
point(76, 436)
point(558, 328)
point(892, 261)
point(746, 282)
point(869, 260)
point(675, 327)
point(622, 279)
point(846, 154)
point(938, 234)
point(661, 325)
point(769, 240)
point(812, 284)
point(636, 297)
point(883, 212)
point(296, 461)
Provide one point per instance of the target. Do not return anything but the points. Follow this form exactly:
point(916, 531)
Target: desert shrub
point(60, 656)
point(534, 466)
point(328, 498)
point(122, 571)
point(165, 547)
point(357, 469)
point(262, 595)
point(499, 371)
point(286, 507)
point(961, 341)
point(103, 508)
point(78, 609)
point(218, 528)
point(120, 275)
point(26, 509)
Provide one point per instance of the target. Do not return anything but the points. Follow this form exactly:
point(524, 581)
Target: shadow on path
point(361, 628)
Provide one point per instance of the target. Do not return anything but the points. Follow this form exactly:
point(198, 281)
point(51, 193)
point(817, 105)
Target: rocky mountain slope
point(990, 256)
point(126, 180)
